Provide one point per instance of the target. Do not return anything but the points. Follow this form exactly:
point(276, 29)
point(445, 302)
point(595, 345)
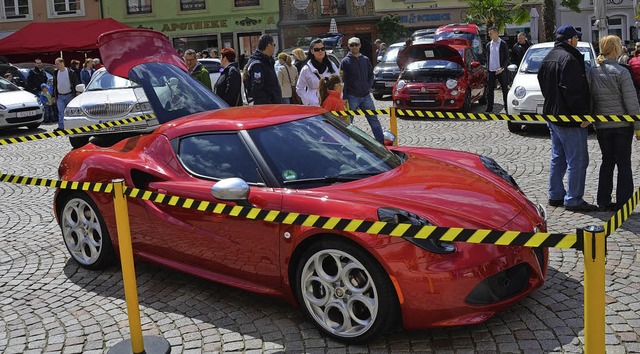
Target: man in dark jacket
point(497, 53)
point(228, 84)
point(564, 85)
point(64, 89)
point(520, 48)
point(357, 75)
point(263, 81)
point(36, 77)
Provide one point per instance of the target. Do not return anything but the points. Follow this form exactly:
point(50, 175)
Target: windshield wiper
point(332, 179)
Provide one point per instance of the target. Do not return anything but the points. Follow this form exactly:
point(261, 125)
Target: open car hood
point(123, 49)
point(440, 50)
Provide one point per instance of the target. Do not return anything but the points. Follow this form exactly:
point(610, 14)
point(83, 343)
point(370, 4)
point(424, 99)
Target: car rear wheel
point(345, 292)
point(85, 233)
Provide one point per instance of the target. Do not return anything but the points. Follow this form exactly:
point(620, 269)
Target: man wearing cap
point(357, 74)
point(564, 85)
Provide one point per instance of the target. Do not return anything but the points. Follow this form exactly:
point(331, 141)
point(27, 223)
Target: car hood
point(18, 98)
point(448, 188)
point(104, 97)
point(528, 81)
point(440, 50)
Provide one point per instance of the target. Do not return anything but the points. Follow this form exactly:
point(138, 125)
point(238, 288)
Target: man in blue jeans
point(564, 85)
point(357, 75)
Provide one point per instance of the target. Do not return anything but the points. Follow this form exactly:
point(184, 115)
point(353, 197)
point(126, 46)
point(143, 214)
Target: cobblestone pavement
point(49, 304)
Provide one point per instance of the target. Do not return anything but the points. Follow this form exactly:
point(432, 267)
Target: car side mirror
point(232, 190)
point(512, 67)
point(80, 88)
point(475, 64)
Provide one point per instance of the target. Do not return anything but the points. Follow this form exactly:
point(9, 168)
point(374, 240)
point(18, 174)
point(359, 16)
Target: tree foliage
point(497, 13)
point(390, 30)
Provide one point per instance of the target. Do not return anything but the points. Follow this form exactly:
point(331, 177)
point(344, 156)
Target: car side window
point(218, 156)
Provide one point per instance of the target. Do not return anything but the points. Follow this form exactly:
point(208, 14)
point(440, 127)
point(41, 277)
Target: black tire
point(514, 127)
point(78, 141)
point(84, 232)
point(33, 126)
point(483, 98)
point(466, 105)
point(367, 323)
point(378, 96)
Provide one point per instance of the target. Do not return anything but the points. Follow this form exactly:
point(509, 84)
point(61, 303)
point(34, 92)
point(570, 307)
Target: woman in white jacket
point(316, 67)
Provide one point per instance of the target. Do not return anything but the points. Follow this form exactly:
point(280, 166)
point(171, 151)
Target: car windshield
point(391, 55)
point(6, 86)
point(534, 56)
point(456, 34)
point(212, 66)
point(320, 151)
point(171, 92)
point(102, 80)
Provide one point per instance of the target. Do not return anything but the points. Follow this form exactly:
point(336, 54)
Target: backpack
point(246, 79)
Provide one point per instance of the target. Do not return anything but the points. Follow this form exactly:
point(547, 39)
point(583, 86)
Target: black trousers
point(491, 86)
point(615, 144)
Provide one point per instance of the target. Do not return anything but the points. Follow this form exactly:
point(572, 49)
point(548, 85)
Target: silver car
point(18, 107)
point(106, 98)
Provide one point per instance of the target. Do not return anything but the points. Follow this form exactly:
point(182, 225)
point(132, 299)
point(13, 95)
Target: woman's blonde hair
point(285, 57)
point(610, 48)
point(298, 53)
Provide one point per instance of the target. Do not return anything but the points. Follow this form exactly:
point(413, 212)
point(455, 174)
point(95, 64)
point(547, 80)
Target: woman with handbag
point(287, 77)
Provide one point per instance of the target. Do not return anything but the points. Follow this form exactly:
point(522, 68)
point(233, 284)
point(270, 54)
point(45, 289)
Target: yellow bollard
point(128, 270)
point(393, 122)
point(594, 289)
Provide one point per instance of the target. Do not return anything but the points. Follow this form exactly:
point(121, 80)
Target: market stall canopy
point(44, 37)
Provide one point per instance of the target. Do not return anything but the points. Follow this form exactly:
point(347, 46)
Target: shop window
point(135, 7)
point(65, 8)
point(16, 10)
point(188, 5)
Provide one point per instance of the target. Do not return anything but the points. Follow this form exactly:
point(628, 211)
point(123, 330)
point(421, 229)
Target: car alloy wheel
point(84, 232)
point(345, 292)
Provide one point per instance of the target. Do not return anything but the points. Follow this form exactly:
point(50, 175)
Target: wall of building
point(621, 15)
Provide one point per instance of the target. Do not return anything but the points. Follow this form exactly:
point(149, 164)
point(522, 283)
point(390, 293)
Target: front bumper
point(77, 122)
point(21, 117)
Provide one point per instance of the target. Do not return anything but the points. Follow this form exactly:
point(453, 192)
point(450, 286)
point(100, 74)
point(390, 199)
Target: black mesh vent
point(500, 286)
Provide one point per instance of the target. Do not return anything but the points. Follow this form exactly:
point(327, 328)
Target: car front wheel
point(345, 292)
point(85, 233)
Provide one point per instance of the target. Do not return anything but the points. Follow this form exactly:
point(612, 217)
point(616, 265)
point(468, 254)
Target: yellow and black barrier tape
point(513, 238)
point(85, 129)
point(622, 214)
point(412, 113)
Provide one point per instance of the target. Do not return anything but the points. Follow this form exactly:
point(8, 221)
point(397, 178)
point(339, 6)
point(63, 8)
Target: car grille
point(389, 76)
point(24, 120)
point(107, 110)
point(23, 109)
point(500, 286)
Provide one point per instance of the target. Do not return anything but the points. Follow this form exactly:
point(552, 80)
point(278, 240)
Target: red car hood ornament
point(123, 49)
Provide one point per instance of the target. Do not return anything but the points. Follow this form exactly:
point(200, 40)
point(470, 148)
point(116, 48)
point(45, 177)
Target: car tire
point(84, 232)
point(483, 98)
point(33, 126)
point(466, 105)
point(378, 96)
point(78, 141)
point(345, 291)
point(514, 127)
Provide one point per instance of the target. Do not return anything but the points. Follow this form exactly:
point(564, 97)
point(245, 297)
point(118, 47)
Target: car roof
point(237, 118)
point(551, 44)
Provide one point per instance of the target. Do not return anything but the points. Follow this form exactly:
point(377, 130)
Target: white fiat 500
point(18, 107)
point(525, 96)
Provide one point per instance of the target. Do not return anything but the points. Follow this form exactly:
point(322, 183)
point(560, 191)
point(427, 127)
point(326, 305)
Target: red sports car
point(445, 75)
point(290, 158)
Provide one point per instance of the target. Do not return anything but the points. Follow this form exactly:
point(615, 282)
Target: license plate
point(389, 84)
point(26, 114)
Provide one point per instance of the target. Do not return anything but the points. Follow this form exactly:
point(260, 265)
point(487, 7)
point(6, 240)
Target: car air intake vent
point(500, 286)
point(108, 110)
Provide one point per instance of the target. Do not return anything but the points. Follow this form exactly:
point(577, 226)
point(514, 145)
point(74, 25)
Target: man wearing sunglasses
point(357, 75)
point(261, 81)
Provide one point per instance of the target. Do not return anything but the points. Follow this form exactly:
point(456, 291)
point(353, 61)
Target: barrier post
point(137, 342)
point(393, 122)
point(594, 288)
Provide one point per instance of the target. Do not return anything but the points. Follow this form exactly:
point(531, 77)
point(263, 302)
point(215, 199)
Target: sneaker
point(582, 207)
point(556, 202)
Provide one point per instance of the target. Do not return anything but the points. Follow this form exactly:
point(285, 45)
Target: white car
point(106, 98)
point(214, 67)
point(18, 107)
point(525, 96)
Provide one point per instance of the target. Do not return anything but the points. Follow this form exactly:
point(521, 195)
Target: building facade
point(16, 14)
point(621, 20)
point(201, 24)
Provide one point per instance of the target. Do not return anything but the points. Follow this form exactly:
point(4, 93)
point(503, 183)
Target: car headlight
point(142, 107)
point(520, 92)
point(73, 112)
point(400, 85)
point(398, 216)
point(376, 70)
point(451, 84)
